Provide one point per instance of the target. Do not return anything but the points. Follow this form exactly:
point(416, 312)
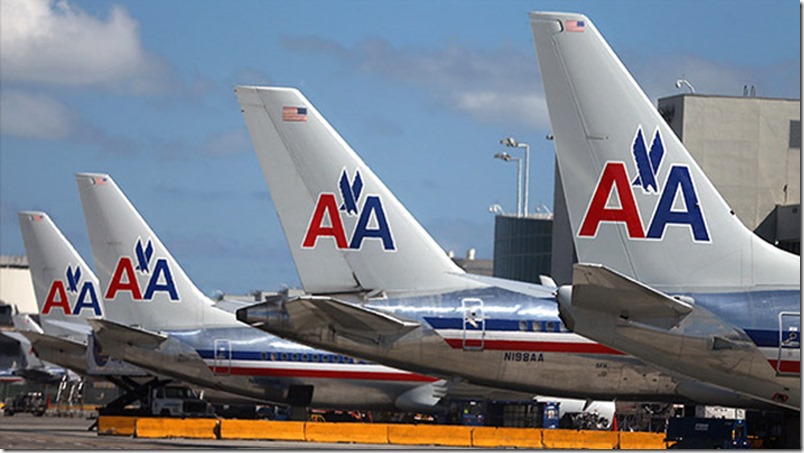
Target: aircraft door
point(222, 357)
point(789, 360)
point(474, 324)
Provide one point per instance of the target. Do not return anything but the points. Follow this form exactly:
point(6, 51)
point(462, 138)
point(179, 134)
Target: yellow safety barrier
point(492, 437)
point(190, 428)
point(378, 433)
point(113, 425)
point(569, 438)
point(262, 429)
point(361, 433)
point(456, 436)
point(642, 441)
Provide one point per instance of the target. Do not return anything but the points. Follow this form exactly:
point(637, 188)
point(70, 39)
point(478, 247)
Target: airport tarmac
point(26, 432)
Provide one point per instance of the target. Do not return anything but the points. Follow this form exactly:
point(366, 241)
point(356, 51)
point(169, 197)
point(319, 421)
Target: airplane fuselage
point(253, 364)
point(496, 337)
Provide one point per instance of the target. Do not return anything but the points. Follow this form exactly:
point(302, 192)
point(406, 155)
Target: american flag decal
point(36, 217)
point(98, 180)
point(574, 25)
point(294, 114)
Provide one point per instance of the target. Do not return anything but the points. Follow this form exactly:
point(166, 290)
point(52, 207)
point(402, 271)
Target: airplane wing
point(309, 312)
point(598, 288)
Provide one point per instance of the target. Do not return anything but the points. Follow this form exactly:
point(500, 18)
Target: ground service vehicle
point(179, 401)
point(31, 402)
point(704, 433)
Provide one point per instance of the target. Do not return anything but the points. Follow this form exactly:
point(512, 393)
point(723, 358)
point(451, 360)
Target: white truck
point(175, 400)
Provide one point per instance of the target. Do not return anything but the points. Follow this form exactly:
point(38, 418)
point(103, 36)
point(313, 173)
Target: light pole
point(512, 143)
point(507, 157)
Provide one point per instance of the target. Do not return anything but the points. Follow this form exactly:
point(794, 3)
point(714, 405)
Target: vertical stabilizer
point(67, 291)
point(637, 201)
point(345, 229)
point(142, 283)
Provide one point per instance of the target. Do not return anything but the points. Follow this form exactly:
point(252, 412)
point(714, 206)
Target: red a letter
point(614, 176)
point(56, 289)
point(117, 284)
point(326, 205)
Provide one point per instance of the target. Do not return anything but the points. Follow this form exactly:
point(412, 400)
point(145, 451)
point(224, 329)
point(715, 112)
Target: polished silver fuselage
point(496, 337)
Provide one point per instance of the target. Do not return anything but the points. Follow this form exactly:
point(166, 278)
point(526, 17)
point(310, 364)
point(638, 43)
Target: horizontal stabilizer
point(292, 318)
point(595, 287)
point(350, 320)
point(24, 322)
point(74, 329)
point(40, 341)
point(129, 335)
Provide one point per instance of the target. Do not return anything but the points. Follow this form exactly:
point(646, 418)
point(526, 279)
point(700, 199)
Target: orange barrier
point(492, 437)
point(642, 441)
point(262, 429)
point(575, 439)
point(360, 433)
point(456, 436)
point(112, 425)
point(378, 433)
point(190, 428)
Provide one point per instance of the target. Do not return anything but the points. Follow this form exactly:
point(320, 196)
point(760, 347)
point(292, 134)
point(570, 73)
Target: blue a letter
point(88, 290)
point(161, 268)
point(373, 204)
point(679, 177)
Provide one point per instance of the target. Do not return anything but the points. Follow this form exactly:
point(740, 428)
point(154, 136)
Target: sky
point(422, 90)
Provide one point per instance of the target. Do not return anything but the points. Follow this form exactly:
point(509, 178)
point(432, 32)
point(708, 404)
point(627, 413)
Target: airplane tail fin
point(66, 289)
point(346, 230)
point(665, 224)
point(142, 283)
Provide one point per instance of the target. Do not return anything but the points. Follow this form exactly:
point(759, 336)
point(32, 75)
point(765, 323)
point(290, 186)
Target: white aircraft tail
point(637, 201)
point(142, 283)
point(346, 231)
point(67, 291)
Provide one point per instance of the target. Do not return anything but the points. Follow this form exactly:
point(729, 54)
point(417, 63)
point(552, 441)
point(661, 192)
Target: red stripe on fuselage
point(534, 346)
point(330, 374)
point(787, 366)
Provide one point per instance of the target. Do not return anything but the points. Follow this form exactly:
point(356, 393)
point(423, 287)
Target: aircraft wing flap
point(596, 287)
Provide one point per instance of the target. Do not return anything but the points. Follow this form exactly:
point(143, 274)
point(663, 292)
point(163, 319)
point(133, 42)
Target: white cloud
point(35, 116)
point(227, 143)
point(498, 85)
point(55, 43)
point(528, 109)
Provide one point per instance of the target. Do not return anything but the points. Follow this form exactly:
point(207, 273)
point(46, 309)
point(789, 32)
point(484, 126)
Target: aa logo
point(158, 278)
point(327, 221)
point(677, 204)
point(84, 294)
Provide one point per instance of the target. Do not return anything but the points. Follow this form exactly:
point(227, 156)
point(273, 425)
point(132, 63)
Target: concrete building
point(16, 285)
point(749, 147)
